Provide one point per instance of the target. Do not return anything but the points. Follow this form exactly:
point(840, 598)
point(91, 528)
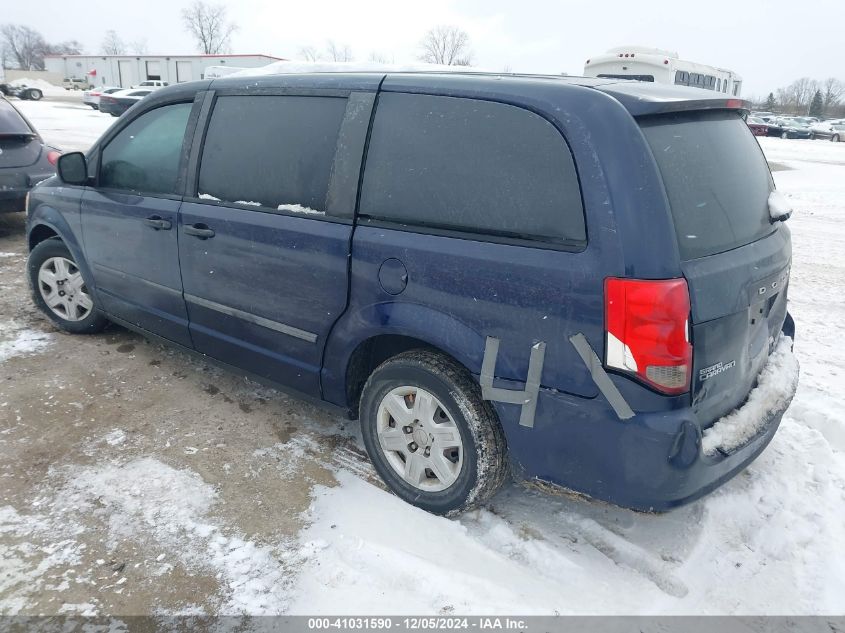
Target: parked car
point(757, 126)
point(25, 93)
point(92, 97)
point(567, 280)
point(152, 83)
point(835, 132)
point(25, 159)
point(120, 101)
point(794, 129)
point(73, 83)
point(829, 129)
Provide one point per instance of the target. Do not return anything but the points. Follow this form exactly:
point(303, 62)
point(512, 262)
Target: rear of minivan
point(706, 336)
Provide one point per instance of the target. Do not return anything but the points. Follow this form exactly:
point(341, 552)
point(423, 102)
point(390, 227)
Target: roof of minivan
point(638, 97)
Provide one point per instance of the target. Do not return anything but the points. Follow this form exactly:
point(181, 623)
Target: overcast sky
point(769, 43)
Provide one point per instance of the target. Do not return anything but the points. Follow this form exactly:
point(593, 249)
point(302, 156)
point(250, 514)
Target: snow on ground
point(70, 126)
point(17, 340)
point(771, 541)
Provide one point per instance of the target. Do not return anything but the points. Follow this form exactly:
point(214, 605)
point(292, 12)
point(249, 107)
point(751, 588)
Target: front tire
point(430, 436)
point(784, 135)
point(834, 138)
point(60, 291)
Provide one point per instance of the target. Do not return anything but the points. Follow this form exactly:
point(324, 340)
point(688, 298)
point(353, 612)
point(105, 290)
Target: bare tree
point(309, 54)
point(378, 58)
point(208, 25)
point(338, 53)
point(832, 90)
point(24, 45)
point(138, 47)
point(112, 44)
point(446, 45)
point(70, 47)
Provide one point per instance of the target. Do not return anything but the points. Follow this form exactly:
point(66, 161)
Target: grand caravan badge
point(715, 370)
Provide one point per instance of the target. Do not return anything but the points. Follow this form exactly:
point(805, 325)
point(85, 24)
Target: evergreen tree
point(817, 105)
point(770, 102)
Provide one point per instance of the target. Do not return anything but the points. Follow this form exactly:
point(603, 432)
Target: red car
point(758, 127)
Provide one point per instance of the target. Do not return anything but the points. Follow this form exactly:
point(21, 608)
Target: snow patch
point(146, 498)
point(24, 341)
point(776, 385)
point(779, 207)
point(298, 208)
point(208, 196)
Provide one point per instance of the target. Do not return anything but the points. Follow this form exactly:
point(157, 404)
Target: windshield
point(716, 179)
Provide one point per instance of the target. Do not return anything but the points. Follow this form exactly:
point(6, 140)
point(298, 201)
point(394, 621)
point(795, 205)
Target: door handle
point(199, 230)
point(158, 223)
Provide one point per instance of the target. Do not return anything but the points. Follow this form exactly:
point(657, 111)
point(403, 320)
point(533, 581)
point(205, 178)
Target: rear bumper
point(12, 199)
point(651, 462)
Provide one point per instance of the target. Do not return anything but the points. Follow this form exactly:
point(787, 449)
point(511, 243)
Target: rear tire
point(429, 434)
point(52, 271)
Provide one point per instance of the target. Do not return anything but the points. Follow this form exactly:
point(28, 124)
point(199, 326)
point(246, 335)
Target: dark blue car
point(564, 279)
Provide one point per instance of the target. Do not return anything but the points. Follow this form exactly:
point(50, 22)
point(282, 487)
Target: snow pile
point(776, 385)
point(779, 206)
point(23, 341)
point(294, 67)
point(44, 86)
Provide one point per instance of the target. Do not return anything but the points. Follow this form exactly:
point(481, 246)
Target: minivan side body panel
point(461, 291)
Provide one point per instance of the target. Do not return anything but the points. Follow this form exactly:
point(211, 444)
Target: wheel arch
point(47, 223)
point(352, 353)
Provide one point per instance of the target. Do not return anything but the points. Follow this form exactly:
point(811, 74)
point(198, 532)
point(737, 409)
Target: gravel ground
point(128, 410)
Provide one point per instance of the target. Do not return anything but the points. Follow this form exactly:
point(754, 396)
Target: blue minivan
point(564, 280)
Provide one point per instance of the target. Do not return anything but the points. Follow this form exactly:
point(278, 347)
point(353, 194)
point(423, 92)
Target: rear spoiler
point(641, 99)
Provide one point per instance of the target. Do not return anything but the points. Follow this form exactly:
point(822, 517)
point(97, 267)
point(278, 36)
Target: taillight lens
point(648, 331)
point(53, 157)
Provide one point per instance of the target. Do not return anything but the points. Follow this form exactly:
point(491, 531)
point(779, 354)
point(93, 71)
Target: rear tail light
point(53, 157)
point(648, 331)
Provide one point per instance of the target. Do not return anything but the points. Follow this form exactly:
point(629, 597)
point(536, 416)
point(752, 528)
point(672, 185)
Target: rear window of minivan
point(11, 123)
point(716, 179)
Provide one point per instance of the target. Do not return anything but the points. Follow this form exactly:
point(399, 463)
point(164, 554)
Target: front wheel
point(60, 291)
point(784, 135)
point(430, 436)
point(835, 138)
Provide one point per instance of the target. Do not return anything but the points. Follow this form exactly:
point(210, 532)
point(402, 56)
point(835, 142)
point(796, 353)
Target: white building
point(129, 70)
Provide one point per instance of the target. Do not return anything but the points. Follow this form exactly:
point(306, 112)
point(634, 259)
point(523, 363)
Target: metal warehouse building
point(128, 70)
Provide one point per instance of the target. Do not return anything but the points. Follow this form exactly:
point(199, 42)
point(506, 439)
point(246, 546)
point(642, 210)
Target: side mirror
point(73, 168)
